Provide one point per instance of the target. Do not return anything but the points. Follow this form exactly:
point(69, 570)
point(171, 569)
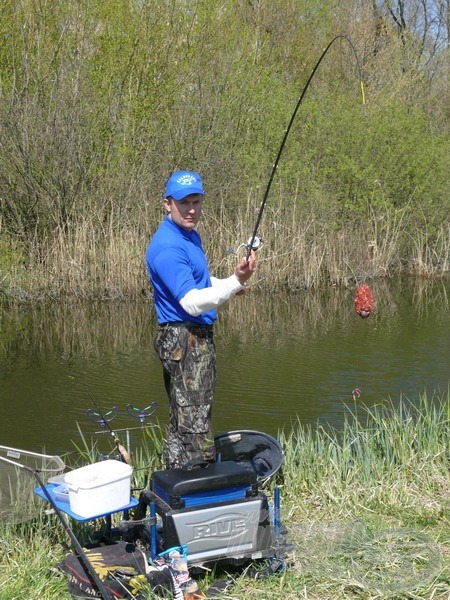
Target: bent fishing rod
point(254, 242)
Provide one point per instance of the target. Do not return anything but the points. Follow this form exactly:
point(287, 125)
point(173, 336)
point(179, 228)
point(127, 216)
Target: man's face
point(185, 213)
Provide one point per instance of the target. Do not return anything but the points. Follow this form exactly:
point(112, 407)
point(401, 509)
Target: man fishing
point(186, 297)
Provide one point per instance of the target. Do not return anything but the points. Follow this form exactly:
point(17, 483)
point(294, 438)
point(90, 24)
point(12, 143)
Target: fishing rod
point(254, 242)
point(104, 422)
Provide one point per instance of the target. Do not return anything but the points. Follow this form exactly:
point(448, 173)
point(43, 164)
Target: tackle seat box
point(213, 483)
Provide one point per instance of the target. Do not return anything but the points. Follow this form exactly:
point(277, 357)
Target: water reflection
point(280, 358)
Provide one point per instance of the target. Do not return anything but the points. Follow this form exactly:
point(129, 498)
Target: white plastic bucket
point(100, 488)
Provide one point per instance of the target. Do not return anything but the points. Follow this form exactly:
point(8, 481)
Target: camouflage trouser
point(188, 357)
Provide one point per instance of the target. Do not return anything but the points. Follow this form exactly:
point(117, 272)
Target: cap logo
point(186, 180)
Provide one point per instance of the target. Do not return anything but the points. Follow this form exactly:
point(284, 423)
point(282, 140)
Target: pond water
point(280, 359)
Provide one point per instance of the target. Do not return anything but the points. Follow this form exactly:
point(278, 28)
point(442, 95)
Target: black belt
point(188, 325)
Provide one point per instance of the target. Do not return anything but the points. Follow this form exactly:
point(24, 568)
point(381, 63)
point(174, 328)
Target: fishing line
point(254, 242)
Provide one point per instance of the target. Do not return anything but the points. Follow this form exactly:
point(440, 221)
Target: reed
point(18, 503)
point(370, 502)
point(93, 259)
point(147, 455)
point(431, 259)
point(385, 461)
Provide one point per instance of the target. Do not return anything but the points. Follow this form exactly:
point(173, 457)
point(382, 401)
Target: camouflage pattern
point(188, 357)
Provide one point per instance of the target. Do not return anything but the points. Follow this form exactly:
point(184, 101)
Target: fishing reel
point(253, 243)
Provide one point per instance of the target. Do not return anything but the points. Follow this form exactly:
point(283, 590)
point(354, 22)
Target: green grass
point(367, 508)
point(28, 554)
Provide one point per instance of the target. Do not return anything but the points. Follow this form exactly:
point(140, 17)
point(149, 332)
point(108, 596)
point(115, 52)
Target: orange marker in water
point(364, 302)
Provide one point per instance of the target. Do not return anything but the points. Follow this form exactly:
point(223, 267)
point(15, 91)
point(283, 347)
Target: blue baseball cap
point(183, 183)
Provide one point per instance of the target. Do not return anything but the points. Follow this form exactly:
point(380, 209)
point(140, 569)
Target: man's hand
point(245, 268)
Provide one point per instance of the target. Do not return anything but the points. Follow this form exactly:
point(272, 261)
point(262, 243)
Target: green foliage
point(29, 554)
point(100, 101)
point(11, 257)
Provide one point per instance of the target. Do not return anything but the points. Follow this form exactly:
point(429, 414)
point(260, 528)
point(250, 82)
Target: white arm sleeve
point(196, 301)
